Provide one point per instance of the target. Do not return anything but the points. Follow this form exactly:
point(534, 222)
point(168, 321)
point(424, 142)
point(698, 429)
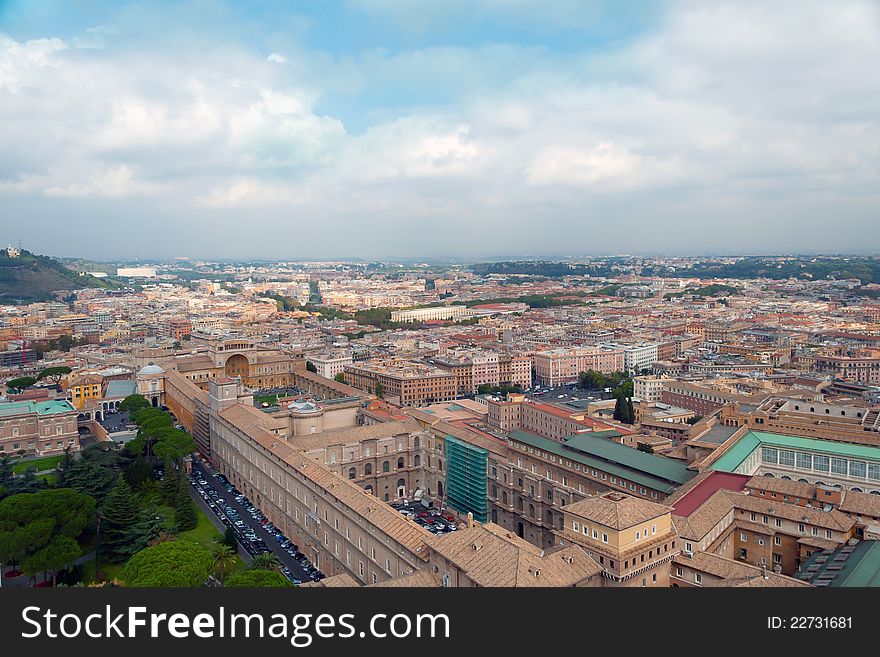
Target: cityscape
point(595, 422)
point(402, 297)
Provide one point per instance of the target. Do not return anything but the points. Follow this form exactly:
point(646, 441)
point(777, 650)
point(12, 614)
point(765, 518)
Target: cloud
point(749, 113)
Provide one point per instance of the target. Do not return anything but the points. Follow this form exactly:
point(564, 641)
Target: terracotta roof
point(733, 573)
point(493, 556)
point(702, 520)
point(617, 510)
point(833, 519)
point(343, 580)
point(348, 435)
point(419, 579)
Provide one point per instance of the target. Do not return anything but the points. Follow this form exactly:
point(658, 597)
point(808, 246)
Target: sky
point(406, 128)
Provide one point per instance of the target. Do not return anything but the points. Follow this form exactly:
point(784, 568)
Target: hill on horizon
point(28, 278)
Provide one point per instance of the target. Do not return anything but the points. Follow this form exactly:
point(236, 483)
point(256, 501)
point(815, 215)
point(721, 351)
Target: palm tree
point(265, 561)
point(224, 556)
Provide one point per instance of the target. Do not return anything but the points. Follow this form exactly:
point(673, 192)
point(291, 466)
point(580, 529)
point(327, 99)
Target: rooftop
point(731, 459)
point(849, 566)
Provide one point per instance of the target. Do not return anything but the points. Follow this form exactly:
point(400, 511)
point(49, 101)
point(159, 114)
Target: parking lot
point(254, 532)
point(435, 521)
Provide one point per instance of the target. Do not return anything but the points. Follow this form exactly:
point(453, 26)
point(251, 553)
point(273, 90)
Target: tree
point(26, 482)
point(266, 561)
point(21, 383)
point(310, 366)
point(645, 447)
point(54, 374)
point(133, 403)
point(171, 564)
point(340, 377)
point(620, 410)
point(95, 472)
point(120, 513)
point(139, 472)
point(380, 390)
point(149, 528)
point(256, 578)
point(29, 521)
point(229, 538)
point(6, 476)
point(173, 445)
point(58, 554)
point(170, 486)
point(224, 557)
point(592, 379)
point(185, 517)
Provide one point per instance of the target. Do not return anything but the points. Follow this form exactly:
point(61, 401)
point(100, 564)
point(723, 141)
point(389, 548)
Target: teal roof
point(736, 454)
point(857, 567)
point(52, 407)
point(655, 472)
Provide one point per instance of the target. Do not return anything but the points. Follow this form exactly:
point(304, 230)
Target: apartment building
point(413, 384)
point(562, 366)
point(330, 365)
point(438, 313)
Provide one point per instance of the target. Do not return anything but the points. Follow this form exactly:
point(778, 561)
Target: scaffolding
point(466, 478)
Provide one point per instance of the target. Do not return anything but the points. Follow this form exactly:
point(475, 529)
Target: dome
point(152, 368)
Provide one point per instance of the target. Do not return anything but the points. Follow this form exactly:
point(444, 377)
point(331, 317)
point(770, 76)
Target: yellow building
point(84, 387)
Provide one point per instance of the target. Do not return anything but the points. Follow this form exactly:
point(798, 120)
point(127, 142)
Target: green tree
point(54, 374)
point(58, 554)
point(257, 578)
point(133, 403)
point(21, 383)
point(620, 410)
point(29, 521)
point(644, 447)
point(224, 558)
point(170, 486)
point(139, 472)
point(149, 527)
point(266, 561)
point(173, 445)
point(95, 472)
point(120, 513)
point(26, 482)
point(310, 366)
point(229, 539)
point(185, 517)
point(380, 390)
point(170, 564)
point(340, 378)
point(592, 379)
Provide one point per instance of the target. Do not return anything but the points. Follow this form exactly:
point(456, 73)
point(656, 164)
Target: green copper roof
point(655, 472)
point(733, 457)
point(8, 409)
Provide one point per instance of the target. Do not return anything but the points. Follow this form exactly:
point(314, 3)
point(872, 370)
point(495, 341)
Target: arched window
point(369, 489)
point(417, 460)
point(386, 466)
point(401, 483)
point(519, 504)
point(400, 463)
point(495, 516)
point(549, 517)
point(368, 469)
point(440, 465)
point(416, 442)
point(504, 497)
point(352, 473)
point(532, 510)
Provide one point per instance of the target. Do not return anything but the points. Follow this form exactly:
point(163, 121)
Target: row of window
point(821, 463)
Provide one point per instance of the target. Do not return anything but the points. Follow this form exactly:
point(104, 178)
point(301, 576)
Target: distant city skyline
point(400, 129)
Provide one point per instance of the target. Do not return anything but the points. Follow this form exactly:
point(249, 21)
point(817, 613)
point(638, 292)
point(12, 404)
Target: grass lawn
point(47, 463)
point(109, 571)
point(51, 478)
point(267, 399)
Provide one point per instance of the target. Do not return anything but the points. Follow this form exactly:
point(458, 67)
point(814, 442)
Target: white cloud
point(766, 108)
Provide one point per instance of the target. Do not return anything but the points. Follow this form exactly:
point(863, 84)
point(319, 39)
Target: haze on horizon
point(404, 128)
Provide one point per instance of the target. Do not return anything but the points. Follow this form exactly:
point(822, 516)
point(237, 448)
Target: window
point(786, 457)
point(400, 463)
point(838, 466)
point(874, 471)
point(386, 467)
point(698, 578)
point(604, 538)
point(689, 547)
point(352, 473)
point(777, 558)
point(777, 540)
point(778, 522)
point(576, 526)
point(857, 469)
point(820, 463)
point(828, 534)
point(368, 469)
point(769, 455)
point(743, 537)
point(804, 461)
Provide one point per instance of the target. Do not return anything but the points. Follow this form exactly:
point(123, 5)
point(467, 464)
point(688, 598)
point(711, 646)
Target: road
point(283, 556)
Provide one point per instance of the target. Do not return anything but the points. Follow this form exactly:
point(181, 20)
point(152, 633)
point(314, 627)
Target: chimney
point(470, 520)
